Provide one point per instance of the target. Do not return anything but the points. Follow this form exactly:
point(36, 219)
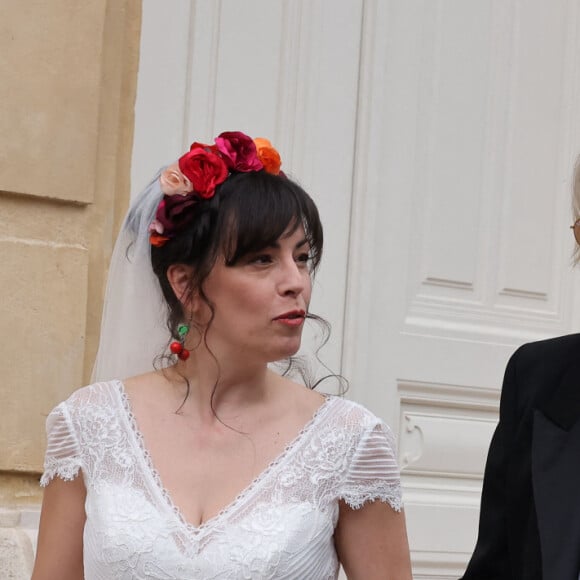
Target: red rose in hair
point(204, 169)
point(269, 157)
point(197, 145)
point(173, 214)
point(238, 151)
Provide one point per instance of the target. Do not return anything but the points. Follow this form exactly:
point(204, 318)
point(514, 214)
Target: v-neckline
point(242, 495)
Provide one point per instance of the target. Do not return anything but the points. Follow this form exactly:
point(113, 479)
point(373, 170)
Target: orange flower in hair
point(196, 175)
point(157, 240)
point(269, 157)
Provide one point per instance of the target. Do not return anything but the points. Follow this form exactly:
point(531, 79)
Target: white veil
point(133, 327)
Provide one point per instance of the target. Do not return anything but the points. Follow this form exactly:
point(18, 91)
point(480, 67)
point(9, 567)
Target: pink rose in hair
point(204, 169)
point(173, 182)
point(239, 151)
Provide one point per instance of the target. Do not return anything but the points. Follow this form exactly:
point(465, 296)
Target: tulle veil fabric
point(133, 327)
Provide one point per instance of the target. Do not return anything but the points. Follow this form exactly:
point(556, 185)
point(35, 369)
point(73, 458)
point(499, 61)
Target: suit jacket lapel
point(563, 406)
point(556, 478)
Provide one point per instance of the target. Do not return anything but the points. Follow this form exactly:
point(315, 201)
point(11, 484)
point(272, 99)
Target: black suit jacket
point(529, 526)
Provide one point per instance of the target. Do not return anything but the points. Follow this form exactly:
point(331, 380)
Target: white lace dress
point(281, 526)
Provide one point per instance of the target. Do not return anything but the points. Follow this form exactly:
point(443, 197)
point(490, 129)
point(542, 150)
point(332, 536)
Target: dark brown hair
point(249, 212)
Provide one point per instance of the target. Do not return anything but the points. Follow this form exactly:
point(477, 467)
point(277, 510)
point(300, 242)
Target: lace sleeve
point(374, 473)
point(63, 458)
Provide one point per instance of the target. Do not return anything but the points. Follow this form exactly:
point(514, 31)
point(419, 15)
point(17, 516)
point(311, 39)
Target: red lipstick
point(291, 318)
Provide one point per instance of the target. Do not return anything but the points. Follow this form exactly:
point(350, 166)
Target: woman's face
point(261, 301)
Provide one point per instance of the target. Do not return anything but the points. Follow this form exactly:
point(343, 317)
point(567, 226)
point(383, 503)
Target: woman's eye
point(261, 259)
point(304, 258)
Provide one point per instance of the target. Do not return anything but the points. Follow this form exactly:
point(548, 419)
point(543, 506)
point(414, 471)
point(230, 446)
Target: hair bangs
point(260, 209)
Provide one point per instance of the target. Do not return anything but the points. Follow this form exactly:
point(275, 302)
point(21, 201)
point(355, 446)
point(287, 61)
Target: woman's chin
point(285, 352)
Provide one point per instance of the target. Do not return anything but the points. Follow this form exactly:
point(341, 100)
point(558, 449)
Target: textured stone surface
point(69, 75)
point(9, 518)
point(20, 490)
point(52, 95)
point(16, 553)
point(42, 334)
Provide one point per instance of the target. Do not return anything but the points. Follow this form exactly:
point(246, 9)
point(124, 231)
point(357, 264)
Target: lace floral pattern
point(375, 491)
point(279, 527)
point(66, 468)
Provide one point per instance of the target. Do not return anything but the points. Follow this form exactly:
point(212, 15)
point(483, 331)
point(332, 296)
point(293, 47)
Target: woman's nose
point(292, 278)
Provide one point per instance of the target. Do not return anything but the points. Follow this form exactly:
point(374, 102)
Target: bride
point(213, 465)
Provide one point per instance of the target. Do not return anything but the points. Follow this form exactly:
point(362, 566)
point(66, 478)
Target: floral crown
point(195, 176)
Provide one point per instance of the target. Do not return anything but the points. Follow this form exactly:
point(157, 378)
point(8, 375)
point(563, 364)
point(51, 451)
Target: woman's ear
point(179, 278)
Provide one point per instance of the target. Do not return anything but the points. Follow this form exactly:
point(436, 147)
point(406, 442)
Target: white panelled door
point(287, 71)
point(437, 137)
point(469, 119)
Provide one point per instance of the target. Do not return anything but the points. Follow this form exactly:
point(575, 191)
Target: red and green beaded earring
point(177, 346)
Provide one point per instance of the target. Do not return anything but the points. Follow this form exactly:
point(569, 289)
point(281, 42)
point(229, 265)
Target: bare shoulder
point(298, 396)
point(140, 385)
point(149, 393)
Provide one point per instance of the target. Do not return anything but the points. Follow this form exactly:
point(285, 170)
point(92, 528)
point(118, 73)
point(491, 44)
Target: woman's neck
point(223, 387)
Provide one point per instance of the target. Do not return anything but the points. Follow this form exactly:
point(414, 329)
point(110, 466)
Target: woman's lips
point(292, 318)
point(290, 321)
